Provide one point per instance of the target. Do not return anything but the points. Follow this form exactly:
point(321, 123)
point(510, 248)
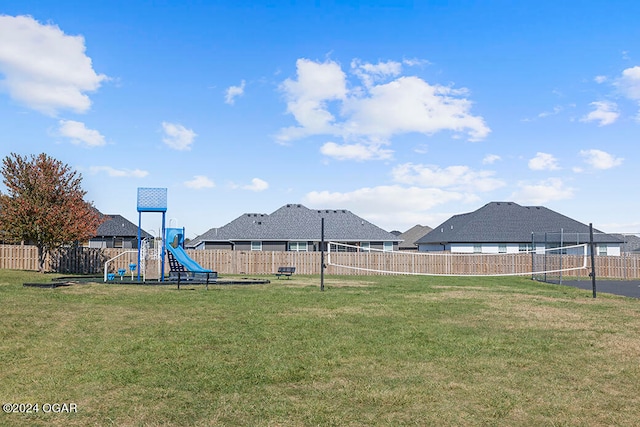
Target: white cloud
point(357, 152)
point(542, 192)
point(421, 149)
point(177, 136)
point(322, 104)
point(556, 110)
point(233, 92)
point(199, 182)
point(316, 84)
point(44, 68)
point(412, 62)
point(380, 204)
point(543, 161)
point(257, 184)
point(79, 134)
point(599, 159)
point(371, 73)
point(490, 159)
point(459, 178)
point(119, 173)
point(629, 83)
point(600, 79)
point(605, 113)
point(409, 104)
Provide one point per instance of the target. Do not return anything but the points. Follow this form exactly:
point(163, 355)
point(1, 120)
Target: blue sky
point(403, 112)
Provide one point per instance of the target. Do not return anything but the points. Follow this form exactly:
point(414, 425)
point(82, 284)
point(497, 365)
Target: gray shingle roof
point(296, 222)
point(631, 242)
point(119, 226)
point(508, 222)
point(410, 236)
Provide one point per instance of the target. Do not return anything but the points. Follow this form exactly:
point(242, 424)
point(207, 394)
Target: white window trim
point(297, 246)
point(258, 245)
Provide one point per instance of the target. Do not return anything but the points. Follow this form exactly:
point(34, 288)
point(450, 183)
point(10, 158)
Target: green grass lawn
point(368, 351)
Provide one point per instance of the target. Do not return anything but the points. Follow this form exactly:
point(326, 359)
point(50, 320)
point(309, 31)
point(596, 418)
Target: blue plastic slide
point(175, 242)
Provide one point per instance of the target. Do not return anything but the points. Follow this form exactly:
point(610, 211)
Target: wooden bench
point(285, 271)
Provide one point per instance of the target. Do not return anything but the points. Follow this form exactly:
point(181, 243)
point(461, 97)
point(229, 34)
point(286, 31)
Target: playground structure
point(170, 244)
point(152, 200)
point(148, 263)
point(176, 252)
point(182, 266)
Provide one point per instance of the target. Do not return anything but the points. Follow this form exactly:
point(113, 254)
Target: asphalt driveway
point(627, 288)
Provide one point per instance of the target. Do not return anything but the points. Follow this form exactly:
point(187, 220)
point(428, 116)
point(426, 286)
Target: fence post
point(592, 246)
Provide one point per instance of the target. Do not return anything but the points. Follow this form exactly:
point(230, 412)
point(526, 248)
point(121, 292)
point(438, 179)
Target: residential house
point(630, 242)
point(410, 237)
point(506, 227)
point(117, 232)
point(294, 227)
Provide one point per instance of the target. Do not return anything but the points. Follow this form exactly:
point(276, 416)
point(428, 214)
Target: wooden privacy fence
point(18, 257)
point(91, 261)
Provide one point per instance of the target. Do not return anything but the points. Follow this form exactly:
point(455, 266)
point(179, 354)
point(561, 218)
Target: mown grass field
point(369, 351)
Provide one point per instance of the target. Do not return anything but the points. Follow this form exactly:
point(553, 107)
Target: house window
point(602, 250)
point(256, 246)
point(387, 246)
point(298, 246)
point(525, 247)
point(477, 249)
point(365, 246)
point(502, 249)
point(118, 242)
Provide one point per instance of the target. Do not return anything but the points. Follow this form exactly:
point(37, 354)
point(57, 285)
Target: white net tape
point(535, 262)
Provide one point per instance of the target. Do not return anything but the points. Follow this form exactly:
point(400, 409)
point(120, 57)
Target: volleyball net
point(539, 263)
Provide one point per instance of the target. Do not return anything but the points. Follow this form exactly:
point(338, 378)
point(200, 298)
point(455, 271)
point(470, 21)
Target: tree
point(44, 204)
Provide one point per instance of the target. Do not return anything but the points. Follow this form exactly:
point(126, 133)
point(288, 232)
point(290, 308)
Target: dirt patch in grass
point(298, 281)
point(359, 310)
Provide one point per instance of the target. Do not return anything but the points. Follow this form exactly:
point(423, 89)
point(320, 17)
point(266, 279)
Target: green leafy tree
point(44, 204)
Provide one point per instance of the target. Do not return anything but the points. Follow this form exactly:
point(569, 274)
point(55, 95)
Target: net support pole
point(533, 251)
point(322, 254)
point(139, 242)
point(592, 248)
point(561, 245)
